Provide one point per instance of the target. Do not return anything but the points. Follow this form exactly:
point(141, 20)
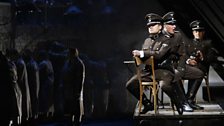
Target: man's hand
point(192, 62)
point(199, 53)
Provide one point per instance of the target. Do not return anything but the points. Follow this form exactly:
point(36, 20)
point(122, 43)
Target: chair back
point(149, 62)
point(153, 84)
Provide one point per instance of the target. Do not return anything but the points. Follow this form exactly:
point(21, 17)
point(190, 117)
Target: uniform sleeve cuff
point(141, 54)
point(188, 60)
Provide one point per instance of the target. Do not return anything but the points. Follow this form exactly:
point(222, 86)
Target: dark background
point(105, 32)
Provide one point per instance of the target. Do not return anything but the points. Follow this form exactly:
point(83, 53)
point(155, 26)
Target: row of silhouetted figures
point(40, 85)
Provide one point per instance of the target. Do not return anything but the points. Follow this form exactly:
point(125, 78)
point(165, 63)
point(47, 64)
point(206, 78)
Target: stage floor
point(210, 111)
point(212, 114)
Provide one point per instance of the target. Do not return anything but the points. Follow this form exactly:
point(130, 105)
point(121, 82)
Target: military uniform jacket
point(205, 47)
point(166, 51)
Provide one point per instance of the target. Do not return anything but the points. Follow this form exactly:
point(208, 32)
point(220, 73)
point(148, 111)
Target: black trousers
point(193, 72)
point(194, 76)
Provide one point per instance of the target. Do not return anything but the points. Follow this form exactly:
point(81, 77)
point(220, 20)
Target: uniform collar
point(167, 34)
point(197, 40)
point(155, 36)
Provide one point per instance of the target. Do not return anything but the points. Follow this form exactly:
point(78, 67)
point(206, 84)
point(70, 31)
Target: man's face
point(198, 34)
point(170, 28)
point(154, 28)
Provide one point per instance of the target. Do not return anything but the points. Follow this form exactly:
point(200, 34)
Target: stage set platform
point(212, 115)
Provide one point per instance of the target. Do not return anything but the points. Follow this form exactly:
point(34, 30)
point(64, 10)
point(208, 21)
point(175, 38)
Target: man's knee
point(199, 74)
point(132, 83)
point(165, 84)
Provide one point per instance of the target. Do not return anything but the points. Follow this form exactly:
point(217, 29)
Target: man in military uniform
point(178, 57)
point(156, 45)
point(199, 56)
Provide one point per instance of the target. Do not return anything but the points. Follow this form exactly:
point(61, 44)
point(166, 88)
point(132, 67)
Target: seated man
point(200, 55)
point(156, 45)
point(178, 56)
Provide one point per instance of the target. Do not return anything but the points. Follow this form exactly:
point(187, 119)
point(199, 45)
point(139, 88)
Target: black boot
point(179, 98)
point(194, 84)
point(147, 105)
point(181, 93)
point(189, 86)
point(171, 91)
point(179, 106)
point(187, 107)
point(194, 105)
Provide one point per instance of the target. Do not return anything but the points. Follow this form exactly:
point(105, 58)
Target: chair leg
point(155, 99)
point(208, 89)
point(173, 108)
point(140, 99)
point(161, 99)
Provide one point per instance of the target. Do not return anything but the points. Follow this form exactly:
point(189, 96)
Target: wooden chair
point(152, 84)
